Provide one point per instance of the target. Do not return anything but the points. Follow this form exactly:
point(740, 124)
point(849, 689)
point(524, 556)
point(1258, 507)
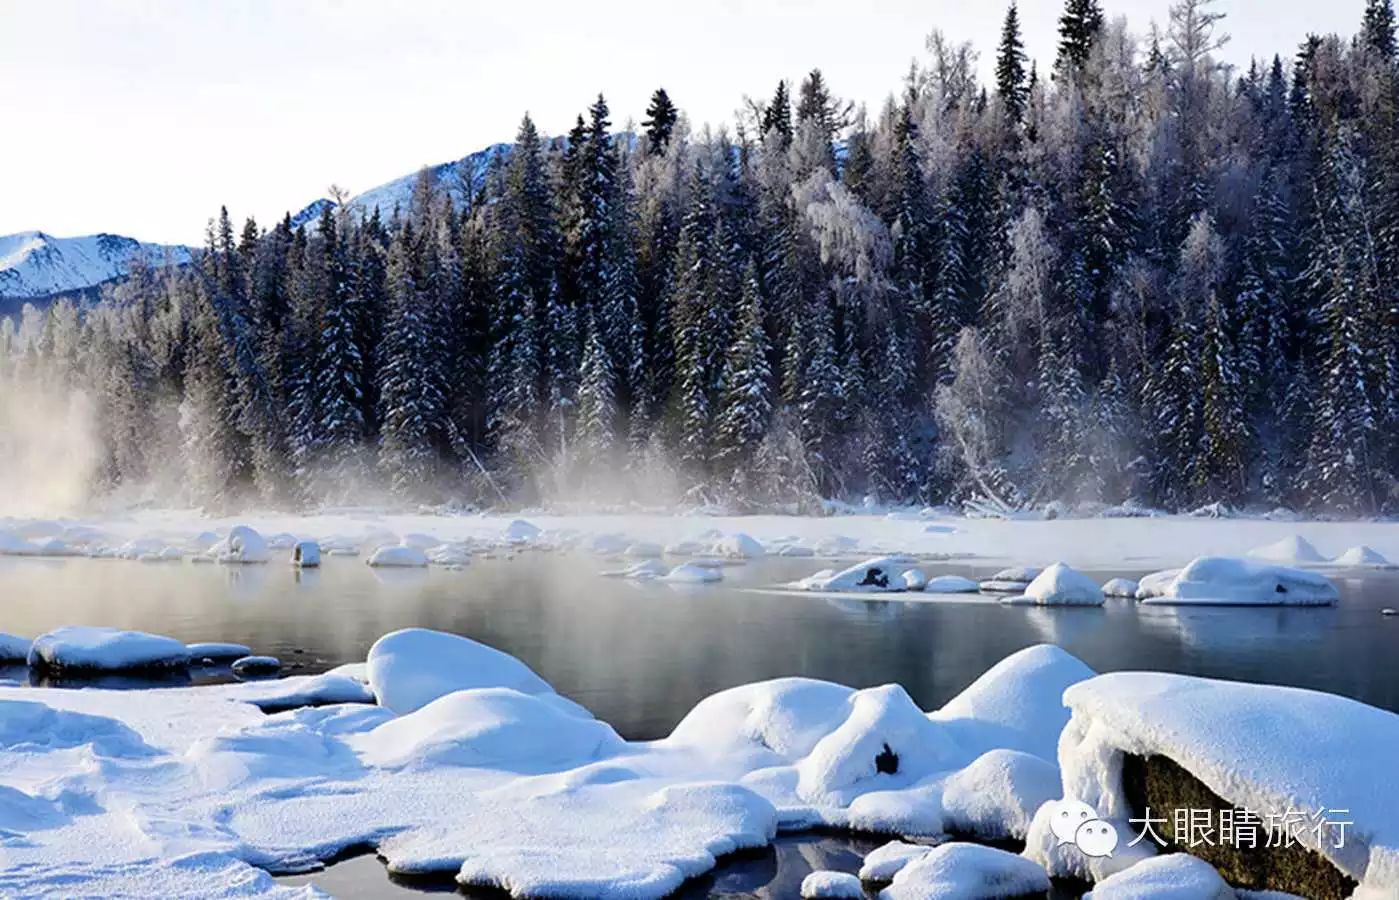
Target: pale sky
point(141, 117)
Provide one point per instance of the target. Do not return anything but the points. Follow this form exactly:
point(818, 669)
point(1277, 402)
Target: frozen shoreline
point(1113, 543)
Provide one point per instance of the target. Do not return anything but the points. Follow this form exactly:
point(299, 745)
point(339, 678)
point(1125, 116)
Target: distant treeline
point(1136, 274)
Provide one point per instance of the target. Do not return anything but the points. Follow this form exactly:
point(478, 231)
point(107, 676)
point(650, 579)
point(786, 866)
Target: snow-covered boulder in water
point(217, 651)
point(1121, 587)
point(1230, 581)
point(408, 669)
point(832, 884)
point(915, 579)
point(522, 532)
point(13, 649)
point(1362, 557)
point(398, 556)
point(1013, 580)
point(80, 647)
point(243, 545)
point(737, 546)
point(489, 727)
point(1176, 876)
point(878, 575)
point(967, 872)
point(1060, 585)
point(306, 555)
point(1155, 584)
point(1260, 747)
point(1293, 549)
point(883, 863)
point(693, 573)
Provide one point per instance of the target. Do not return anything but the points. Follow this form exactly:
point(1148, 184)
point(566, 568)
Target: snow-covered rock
point(1175, 876)
point(1230, 581)
point(737, 546)
point(915, 579)
point(256, 666)
point(1060, 585)
point(217, 651)
point(488, 727)
point(521, 532)
point(1259, 747)
point(950, 584)
point(693, 573)
point(13, 649)
point(105, 649)
point(1017, 703)
point(1293, 549)
point(449, 555)
point(243, 545)
point(397, 556)
point(645, 570)
point(877, 575)
point(408, 669)
point(883, 863)
point(1013, 580)
point(967, 872)
point(306, 555)
point(832, 884)
point(1362, 557)
point(1121, 587)
point(1155, 584)
point(996, 797)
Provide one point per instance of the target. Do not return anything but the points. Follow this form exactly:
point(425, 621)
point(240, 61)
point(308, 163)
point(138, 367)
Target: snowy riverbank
point(1137, 543)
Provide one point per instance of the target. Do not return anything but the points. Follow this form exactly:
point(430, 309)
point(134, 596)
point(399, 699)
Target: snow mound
point(33, 727)
point(217, 651)
point(950, 584)
point(737, 546)
point(877, 575)
point(306, 554)
point(967, 872)
point(693, 573)
point(14, 649)
point(645, 570)
point(1230, 581)
point(1016, 704)
point(1060, 585)
point(1293, 549)
point(1266, 748)
point(496, 727)
point(1362, 556)
point(997, 795)
point(256, 666)
point(915, 579)
point(1121, 587)
point(885, 740)
point(243, 545)
point(1176, 876)
point(1155, 584)
point(782, 720)
point(521, 532)
point(832, 884)
point(397, 556)
point(105, 649)
point(409, 669)
point(883, 863)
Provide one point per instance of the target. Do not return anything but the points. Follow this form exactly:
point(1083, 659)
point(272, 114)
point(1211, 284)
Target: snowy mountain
point(35, 264)
point(460, 179)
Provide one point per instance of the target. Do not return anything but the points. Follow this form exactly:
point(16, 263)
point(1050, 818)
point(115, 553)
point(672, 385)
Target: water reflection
point(641, 654)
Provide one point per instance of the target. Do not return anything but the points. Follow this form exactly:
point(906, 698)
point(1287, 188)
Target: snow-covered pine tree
point(661, 116)
point(412, 393)
point(597, 404)
point(746, 402)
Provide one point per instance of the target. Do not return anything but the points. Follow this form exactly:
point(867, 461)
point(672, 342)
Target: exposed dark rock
point(1164, 786)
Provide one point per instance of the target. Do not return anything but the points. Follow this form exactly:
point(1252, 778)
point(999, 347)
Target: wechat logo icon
point(1075, 822)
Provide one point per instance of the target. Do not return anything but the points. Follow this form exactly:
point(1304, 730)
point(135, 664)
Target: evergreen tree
point(660, 120)
point(1079, 28)
point(747, 401)
point(1011, 86)
point(1377, 31)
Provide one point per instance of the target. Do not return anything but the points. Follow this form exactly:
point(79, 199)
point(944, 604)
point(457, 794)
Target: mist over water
point(49, 449)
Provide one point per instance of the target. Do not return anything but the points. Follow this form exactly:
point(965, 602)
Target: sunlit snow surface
point(188, 791)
